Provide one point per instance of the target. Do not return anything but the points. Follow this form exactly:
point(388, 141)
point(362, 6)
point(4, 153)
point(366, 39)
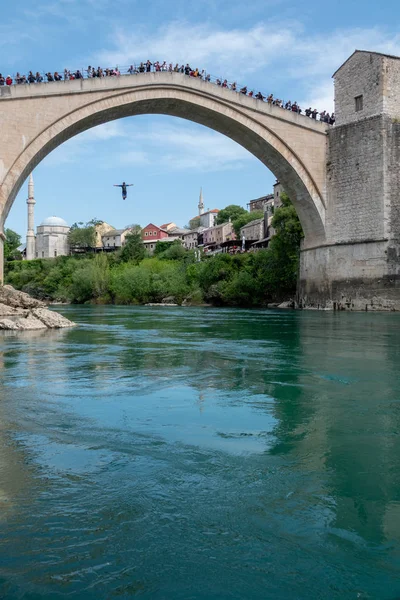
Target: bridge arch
point(220, 110)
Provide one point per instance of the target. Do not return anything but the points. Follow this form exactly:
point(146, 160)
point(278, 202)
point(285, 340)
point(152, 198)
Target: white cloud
point(183, 146)
point(113, 129)
point(269, 55)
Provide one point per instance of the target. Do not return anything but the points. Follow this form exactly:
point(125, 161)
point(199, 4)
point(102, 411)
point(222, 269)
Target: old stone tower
point(359, 266)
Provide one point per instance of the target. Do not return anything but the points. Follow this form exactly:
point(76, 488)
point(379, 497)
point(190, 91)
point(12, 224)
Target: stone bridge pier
point(358, 266)
point(343, 180)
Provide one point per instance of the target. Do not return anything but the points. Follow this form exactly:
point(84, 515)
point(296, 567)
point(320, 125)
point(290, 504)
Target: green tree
point(82, 236)
point(283, 253)
point(194, 223)
point(162, 247)
point(91, 281)
point(232, 212)
point(246, 218)
point(133, 250)
point(11, 243)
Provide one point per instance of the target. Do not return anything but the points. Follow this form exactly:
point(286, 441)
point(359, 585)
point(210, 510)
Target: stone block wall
point(361, 75)
point(356, 181)
point(393, 195)
point(391, 96)
point(373, 76)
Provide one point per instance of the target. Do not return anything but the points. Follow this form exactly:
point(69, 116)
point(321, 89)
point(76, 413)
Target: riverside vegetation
point(129, 276)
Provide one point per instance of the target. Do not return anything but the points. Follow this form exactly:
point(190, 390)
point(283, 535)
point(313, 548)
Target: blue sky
point(279, 46)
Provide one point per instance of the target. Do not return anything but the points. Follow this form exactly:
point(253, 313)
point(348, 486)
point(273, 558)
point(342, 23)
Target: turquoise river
point(200, 454)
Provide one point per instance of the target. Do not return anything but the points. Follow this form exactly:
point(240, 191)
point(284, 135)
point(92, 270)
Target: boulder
point(51, 319)
point(11, 311)
point(27, 313)
point(287, 304)
point(8, 324)
point(29, 323)
point(11, 297)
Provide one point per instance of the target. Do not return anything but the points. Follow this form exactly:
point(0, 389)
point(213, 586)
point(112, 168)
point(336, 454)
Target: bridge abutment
point(352, 276)
point(359, 265)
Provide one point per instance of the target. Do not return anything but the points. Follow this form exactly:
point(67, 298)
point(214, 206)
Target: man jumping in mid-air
point(123, 185)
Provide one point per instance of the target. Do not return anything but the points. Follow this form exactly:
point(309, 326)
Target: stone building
point(260, 203)
point(51, 238)
point(191, 238)
point(100, 230)
point(115, 238)
point(278, 189)
point(219, 234)
point(207, 219)
point(252, 232)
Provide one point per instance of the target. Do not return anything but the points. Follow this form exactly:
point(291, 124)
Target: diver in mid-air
point(123, 185)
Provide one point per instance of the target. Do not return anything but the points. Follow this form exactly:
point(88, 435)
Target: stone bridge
point(308, 157)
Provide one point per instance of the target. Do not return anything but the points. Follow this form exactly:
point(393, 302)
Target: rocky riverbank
point(20, 312)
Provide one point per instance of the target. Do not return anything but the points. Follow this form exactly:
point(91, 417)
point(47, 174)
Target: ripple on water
point(201, 453)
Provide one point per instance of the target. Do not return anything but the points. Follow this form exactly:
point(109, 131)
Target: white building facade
point(51, 238)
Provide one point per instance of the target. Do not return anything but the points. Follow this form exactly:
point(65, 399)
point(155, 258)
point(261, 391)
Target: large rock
point(287, 304)
point(8, 324)
point(29, 323)
point(11, 311)
point(51, 319)
point(11, 297)
point(27, 313)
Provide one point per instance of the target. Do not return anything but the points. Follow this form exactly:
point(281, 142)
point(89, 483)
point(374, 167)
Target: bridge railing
point(134, 69)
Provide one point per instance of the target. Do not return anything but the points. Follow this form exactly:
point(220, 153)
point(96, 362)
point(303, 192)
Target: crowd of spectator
point(148, 67)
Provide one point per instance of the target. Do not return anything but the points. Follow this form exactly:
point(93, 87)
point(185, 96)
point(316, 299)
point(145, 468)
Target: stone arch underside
point(255, 137)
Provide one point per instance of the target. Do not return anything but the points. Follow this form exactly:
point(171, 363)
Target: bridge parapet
point(129, 82)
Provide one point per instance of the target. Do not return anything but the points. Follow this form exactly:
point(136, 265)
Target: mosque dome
point(54, 222)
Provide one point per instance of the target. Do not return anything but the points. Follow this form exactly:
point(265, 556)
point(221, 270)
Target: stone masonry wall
point(355, 171)
point(374, 76)
point(361, 75)
point(393, 195)
point(391, 96)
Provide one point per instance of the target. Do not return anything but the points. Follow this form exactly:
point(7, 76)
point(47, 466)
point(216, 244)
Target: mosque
point(51, 238)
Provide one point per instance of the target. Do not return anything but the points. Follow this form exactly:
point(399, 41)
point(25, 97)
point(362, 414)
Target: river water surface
point(190, 453)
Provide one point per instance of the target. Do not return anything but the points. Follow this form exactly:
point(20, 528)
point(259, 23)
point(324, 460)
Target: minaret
point(30, 236)
point(201, 203)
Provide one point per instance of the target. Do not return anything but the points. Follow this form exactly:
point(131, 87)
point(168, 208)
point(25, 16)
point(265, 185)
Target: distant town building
point(252, 232)
point(191, 238)
point(177, 233)
point(100, 230)
point(153, 232)
point(261, 203)
point(207, 219)
point(218, 235)
point(201, 202)
point(168, 226)
point(278, 189)
point(115, 238)
point(51, 238)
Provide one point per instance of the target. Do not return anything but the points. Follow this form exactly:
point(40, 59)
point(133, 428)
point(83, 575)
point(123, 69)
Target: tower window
point(359, 103)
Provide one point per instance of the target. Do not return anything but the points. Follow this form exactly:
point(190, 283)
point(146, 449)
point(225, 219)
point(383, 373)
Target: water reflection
point(149, 451)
